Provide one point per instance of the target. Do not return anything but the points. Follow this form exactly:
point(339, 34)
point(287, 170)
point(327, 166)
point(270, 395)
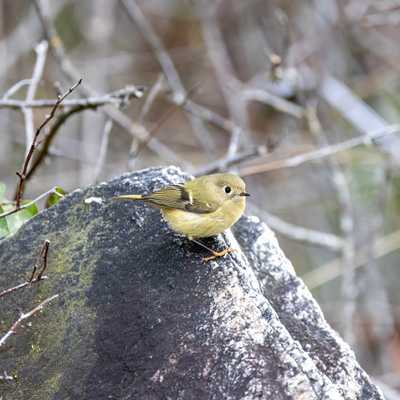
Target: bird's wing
point(177, 196)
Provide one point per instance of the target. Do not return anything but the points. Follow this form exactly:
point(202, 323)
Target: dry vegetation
point(300, 98)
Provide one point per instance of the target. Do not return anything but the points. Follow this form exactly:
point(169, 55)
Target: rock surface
point(141, 317)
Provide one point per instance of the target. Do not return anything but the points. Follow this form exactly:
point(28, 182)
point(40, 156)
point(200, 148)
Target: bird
point(199, 208)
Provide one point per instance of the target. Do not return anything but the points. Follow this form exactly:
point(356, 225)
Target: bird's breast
point(196, 225)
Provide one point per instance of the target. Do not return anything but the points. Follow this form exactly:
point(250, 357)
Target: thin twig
point(49, 138)
point(151, 132)
point(31, 203)
point(41, 53)
point(139, 132)
point(14, 88)
point(154, 91)
point(209, 116)
point(22, 173)
point(358, 113)
point(139, 147)
point(325, 151)
point(117, 98)
point(22, 285)
point(23, 317)
point(276, 102)
point(43, 259)
point(151, 96)
point(299, 233)
point(40, 263)
point(238, 158)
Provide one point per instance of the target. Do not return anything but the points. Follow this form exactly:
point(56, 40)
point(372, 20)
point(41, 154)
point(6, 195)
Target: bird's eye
point(228, 189)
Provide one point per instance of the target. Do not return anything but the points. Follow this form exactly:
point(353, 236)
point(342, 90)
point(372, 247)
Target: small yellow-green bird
point(203, 207)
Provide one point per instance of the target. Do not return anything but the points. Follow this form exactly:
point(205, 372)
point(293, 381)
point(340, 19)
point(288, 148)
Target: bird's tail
point(129, 197)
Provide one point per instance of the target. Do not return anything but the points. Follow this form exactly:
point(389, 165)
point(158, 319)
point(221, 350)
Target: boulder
point(141, 316)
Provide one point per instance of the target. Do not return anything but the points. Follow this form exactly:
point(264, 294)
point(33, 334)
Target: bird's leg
point(215, 254)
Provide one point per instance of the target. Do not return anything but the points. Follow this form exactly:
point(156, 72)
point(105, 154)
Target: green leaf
point(16, 220)
point(2, 191)
point(3, 224)
point(55, 197)
point(11, 223)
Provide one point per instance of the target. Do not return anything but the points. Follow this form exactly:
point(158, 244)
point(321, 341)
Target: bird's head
point(226, 187)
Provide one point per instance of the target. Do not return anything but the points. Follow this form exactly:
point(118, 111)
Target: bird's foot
point(217, 254)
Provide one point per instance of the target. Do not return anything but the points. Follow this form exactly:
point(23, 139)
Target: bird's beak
point(244, 194)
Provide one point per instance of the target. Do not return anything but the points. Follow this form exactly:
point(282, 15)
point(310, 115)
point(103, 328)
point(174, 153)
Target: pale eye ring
point(227, 189)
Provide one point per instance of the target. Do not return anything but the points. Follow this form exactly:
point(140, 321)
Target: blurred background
point(300, 98)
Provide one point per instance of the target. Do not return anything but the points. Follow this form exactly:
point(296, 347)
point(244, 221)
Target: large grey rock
point(141, 317)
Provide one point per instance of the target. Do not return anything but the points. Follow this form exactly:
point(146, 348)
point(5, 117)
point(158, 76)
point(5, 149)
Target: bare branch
point(118, 98)
point(238, 158)
point(300, 234)
point(23, 317)
point(41, 53)
point(154, 91)
point(22, 173)
point(14, 88)
point(358, 113)
point(152, 131)
point(42, 260)
point(41, 263)
point(139, 132)
point(276, 102)
point(22, 285)
point(48, 140)
point(31, 203)
point(151, 96)
point(323, 152)
point(209, 116)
